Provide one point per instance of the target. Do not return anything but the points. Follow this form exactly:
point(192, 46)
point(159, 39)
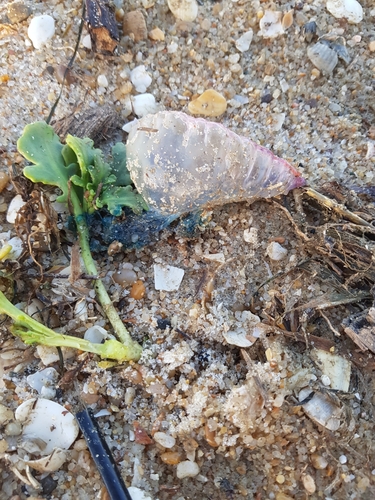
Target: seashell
point(346, 9)
point(181, 164)
point(323, 57)
point(50, 463)
point(337, 368)
point(321, 409)
point(271, 25)
point(309, 30)
point(46, 426)
point(287, 19)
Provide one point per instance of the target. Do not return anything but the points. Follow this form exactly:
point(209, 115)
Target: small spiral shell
point(181, 164)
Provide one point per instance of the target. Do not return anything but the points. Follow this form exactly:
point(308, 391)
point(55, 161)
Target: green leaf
point(69, 155)
point(118, 165)
point(40, 145)
point(85, 152)
point(100, 172)
point(117, 197)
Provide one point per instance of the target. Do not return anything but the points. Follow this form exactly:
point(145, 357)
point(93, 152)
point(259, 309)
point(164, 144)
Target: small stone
point(185, 10)
point(134, 25)
point(243, 43)
point(4, 179)
point(326, 380)
point(187, 469)
point(144, 104)
point(171, 457)
point(18, 12)
point(6, 415)
point(343, 459)
point(318, 461)
point(280, 479)
point(124, 277)
point(346, 9)
point(13, 429)
point(210, 103)
point(41, 29)
point(275, 251)
point(102, 81)
point(308, 483)
point(156, 35)
point(138, 290)
point(164, 439)
point(371, 46)
point(140, 78)
point(3, 446)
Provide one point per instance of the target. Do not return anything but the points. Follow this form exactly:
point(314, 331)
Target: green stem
point(104, 299)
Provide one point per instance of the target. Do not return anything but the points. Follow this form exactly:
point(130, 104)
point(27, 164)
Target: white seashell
point(346, 9)
point(50, 463)
point(41, 29)
point(243, 43)
point(185, 10)
point(336, 368)
point(46, 424)
point(138, 494)
point(323, 57)
point(238, 337)
point(96, 334)
point(167, 278)
point(271, 24)
point(180, 164)
point(187, 469)
point(321, 409)
point(14, 207)
point(44, 378)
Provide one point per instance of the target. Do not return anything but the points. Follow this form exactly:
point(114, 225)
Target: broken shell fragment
point(323, 57)
point(134, 25)
point(47, 425)
point(271, 24)
point(321, 409)
point(210, 103)
point(50, 463)
point(337, 368)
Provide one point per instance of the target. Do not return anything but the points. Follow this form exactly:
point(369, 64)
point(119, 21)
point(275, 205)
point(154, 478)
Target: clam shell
point(323, 57)
point(47, 425)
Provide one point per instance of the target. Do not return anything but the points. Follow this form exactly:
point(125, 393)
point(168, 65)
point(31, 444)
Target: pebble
point(318, 461)
point(102, 81)
point(140, 78)
point(13, 429)
point(144, 104)
point(124, 277)
point(138, 290)
point(164, 439)
point(41, 29)
point(138, 494)
point(287, 19)
point(187, 469)
point(6, 414)
point(4, 179)
point(18, 12)
point(185, 10)
point(280, 479)
point(243, 43)
point(270, 24)
point(210, 104)
point(346, 9)
point(171, 457)
point(275, 251)
point(308, 483)
point(371, 46)
point(156, 35)
point(134, 25)
point(343, 459)
point(167, 278)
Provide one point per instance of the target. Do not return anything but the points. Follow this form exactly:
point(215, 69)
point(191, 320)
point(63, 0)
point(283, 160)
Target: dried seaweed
point(102, 26)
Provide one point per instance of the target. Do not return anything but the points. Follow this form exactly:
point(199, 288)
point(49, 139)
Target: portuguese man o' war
point(184, 165)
